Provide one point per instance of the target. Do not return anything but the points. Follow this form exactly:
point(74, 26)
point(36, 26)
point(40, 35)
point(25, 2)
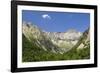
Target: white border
point(53, 63)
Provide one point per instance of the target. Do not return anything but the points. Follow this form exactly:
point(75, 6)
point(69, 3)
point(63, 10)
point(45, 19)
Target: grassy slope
point(32, 53)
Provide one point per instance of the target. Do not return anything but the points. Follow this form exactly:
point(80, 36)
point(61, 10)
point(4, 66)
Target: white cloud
point(46, 16)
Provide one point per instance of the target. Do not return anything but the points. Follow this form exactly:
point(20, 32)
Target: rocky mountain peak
point(72, 31)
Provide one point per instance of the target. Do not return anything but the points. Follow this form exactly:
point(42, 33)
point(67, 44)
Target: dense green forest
point(31, 52)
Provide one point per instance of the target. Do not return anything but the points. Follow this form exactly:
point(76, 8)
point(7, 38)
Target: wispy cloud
point(46, 16)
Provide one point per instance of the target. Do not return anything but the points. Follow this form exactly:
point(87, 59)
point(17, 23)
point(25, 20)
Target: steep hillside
point(84, 41)
point(36, 36)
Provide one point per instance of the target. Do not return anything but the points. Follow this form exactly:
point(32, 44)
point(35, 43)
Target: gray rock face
point(85, 40)
point(68, 35)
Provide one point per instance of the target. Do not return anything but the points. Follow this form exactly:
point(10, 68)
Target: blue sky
point(57, 21)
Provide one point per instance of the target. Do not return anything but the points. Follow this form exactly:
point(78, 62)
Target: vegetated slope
point(39, 46)
point(82, 48)
point(37, 37)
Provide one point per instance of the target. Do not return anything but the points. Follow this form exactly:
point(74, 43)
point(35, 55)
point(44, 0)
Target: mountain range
point(56, 42)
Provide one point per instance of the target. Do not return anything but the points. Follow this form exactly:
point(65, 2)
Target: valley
point(39, 45)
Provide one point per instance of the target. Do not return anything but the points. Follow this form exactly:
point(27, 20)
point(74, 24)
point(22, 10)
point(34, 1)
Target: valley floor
point(32, 53)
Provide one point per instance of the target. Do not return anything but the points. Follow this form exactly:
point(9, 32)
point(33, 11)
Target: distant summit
point(72, 30)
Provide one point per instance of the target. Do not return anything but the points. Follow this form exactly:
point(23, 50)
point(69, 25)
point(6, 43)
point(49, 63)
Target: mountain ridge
point(57, 42)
